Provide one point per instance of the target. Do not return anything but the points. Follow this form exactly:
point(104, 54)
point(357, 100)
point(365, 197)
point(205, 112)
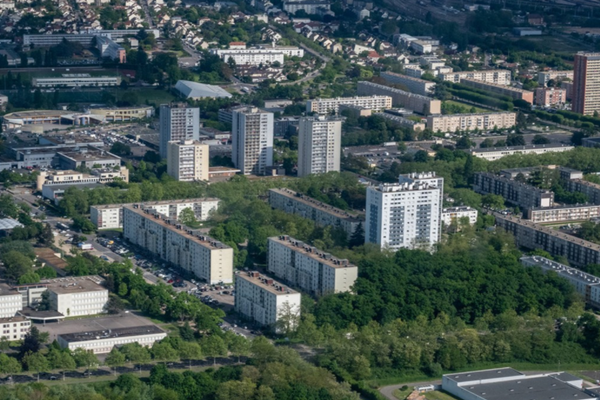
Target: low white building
point(258, 55)
point(492, 154)
point(76, 80)
point(452, 214)
point(101, 342)
point(77, 296)
point(264, 300)
point(11, 302)
point(14, 328)
point(326, 106)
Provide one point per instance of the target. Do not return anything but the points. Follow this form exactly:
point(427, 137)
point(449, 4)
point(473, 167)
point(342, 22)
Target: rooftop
point(395, 90)
point(312, 252)
point(561, 269)
point(156, 203)
point(88, 153)
point(505, 87)
point(17, 318)
point(517, 148)
point(459, 208)
point(191, 89)
point(63, 187)
point(111, 333)
point(484, 374)
point(309, 201)
point(75, 284)
point(410, 78)
point(266, 283)
point(513, 182)
point(534, 388)
point(9, 223)
point(6, 290)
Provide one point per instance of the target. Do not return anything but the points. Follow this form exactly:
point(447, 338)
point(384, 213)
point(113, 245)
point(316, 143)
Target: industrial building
point(195, 91)
point(102, 342)
point(319, 145)
point(76, 80)
point(328, 106)
point(497, 76)
point(263, 300)
point(88, 157)
point(415, 85)
point(322, 214)
point(187, 160)
point(188, 249)
point(492, 154)
point(514, 192)
point(512, 92)
point(122, 114)
point(471, 122)
point(308, 268)
point(410, 101)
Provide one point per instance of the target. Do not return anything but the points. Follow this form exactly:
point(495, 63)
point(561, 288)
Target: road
point(144, 4)
point(388, 391)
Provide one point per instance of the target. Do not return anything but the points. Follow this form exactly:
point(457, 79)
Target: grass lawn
point(402, 394)
point(468, 106)
point(436, 395)
point(154, 96)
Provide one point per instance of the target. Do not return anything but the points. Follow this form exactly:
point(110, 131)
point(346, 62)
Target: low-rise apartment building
point(265, 301)
point(404, 122)
point(410, 101)
point(188, 249)
point(535, 236)
point(14, 328)
point(567, 213)
point(102, 342)
point(308, 268)
point(547, 97)
point(470, 122)
point(492, 154)
point(497, 76)
point(76, 80)
point(545, 77)
point(514, 192)
point(322, 214)
point(455, 214)
point(512, 92)
point(415, 85)
point(589, 189)
point(110, 216)
point(327, 106)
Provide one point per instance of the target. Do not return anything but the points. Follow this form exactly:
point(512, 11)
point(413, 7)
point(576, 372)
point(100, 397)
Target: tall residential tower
point(319, 145)
point(252, 137)
point(586, 83)
point(188, 160)
point(178, 122)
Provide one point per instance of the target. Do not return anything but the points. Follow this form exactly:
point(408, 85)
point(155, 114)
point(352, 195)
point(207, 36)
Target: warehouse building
point(102, 342)
point(514, 192)
point(410, 101)
point(308, 268)
point(76, 80)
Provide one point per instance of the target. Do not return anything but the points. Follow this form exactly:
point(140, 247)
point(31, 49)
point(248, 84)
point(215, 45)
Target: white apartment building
point(11, 302)
point(14, 328)
point(264, 300)
point(188, 160)
point(309, 268)
point(545, 77)
point(110, 216)
point(326, 106)
point(464, 122)
point(497, 76)
point(76, 80)
point(492, 154)
point(252, 140)
point(258, 55)
point(564, 213)
point(406, 214)
point(78, 295)
point(451, 214)
point(319, 145)
point(102, 342)
point(188, 249)
point(178, 122)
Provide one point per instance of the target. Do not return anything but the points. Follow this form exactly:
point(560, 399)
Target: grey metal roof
point(9, 223)
point(485, 374)
point(191, 89)
point(539, 388)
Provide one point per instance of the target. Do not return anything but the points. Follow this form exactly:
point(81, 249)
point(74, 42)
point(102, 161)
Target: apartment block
point(77, 296)
point(258, 55)
point(492, 154)
point(178, 122)
point(322, 214)
point(514, 192)
point(188, 160)
point(252, 140)
point(188, 249)
point(319, 145)
point(308, 268)
point(327, 106)
point(586, 83)
point(512, 92)
point(497, 76)
point(406, 214)
point(14, 328)
point(103, 341)
point(565, 213)
point(263, 300)
point(75, 80)
point(464, 122)
point(590, 189)
point(534, 236)
point(11, 301)
point(110, 216)
point(545, 77)
point(403, 122)
point(455, 214)
point(588, 286)
point(547, 97)
point(415, 85)
point(410, 101)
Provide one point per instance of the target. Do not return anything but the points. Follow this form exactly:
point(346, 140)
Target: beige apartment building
point(586, 83)
point(327, 106)
point(464, 122)
point(497, 76)
point(188, 160)
point(14, 328)
point(319, 145)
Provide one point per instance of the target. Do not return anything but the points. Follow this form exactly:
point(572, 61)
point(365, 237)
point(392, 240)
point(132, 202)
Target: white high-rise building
point(406, 214)
point(252, 137)
point(319, 145)
point(188, 160)
point(178, 122)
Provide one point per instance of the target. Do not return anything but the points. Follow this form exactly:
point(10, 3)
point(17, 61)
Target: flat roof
point(75, 284)
point(561, 269)
point(16, 318)
point(516, 148)
point(6, 290)
point(312, 252)
point(564, 207)
point(110, 333)
point(65, 186)
point(537, 388)
point(513, 182)
point(266, 283)
point(90, 154)
point(30, 313)
point(156, 203)
point(191, 234)
point(484, 374)
point(309, 201)
point(505, 87)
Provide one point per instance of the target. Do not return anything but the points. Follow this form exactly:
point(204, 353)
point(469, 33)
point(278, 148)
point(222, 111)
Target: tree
point(358, 237)
point(239, 346)
point(540, 139)
point(213, 346)
point(186, 332)
point(515, 140)
point(190, 351)
point(120, 149)
point(464, 143)
point(28, 278)
point(115, 305)
point(9, 365)
point(188, 218)
point(493, 201)
point(163, 351)
point(135, 353)
point(46, 238)
point(35, 362)
point(16, 264)
point(31, 342)
point(421, 156)
point(115, 358)
point(59, 359)
point(288, 319)
point(122, 289)
point(85, 358)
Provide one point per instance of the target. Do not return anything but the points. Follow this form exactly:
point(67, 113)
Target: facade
point(406, 214)
point(404, 122)
point(517, 193)
point(319, 145)
point(310, 6)
point(110, 216)
point(588, 286)
point(497, 76)
point(76, 80)
point(122, 114)
point(188, 249)
point(14, 328)
point(410, 101)
point(463, 122)
point(545, 77)
point(547, 97)
point(11, 302)
point(78, 296)
point(492, 154)
point(322, 214)
point(101, 342)
point(259, 55)
point(512, 92)
point(188, 160)
point(327, 106)
point(532, 236)
point(178, 122)
point(415, 85)
point(590, 189)
point(309, 268)
point(264, 300)
point(586, 83)
point(252, 140)
point(451, 214)
point(75, 177)
point(565, 213)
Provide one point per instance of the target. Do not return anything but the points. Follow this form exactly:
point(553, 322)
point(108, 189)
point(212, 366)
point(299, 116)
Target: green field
point(468, 106)
point(436, 395)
